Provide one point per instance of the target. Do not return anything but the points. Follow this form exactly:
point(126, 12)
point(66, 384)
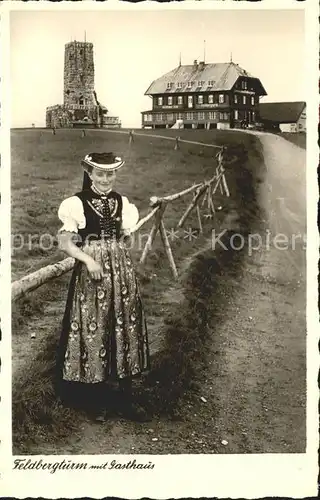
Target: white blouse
point(72, 215)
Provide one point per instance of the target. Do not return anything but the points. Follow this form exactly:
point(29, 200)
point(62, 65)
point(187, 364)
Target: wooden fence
point(203, 196)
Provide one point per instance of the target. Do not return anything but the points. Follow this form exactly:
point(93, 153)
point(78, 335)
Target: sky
point(133, 48)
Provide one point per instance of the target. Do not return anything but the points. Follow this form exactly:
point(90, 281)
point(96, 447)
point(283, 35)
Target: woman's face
point(103, 181)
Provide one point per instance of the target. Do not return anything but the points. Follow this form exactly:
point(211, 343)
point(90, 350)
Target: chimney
point(195, 64)
point(201, 65)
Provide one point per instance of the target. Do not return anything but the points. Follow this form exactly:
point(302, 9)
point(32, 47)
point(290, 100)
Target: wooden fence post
point(131, 140)
point(152, 233)
point(167, 247)
point(191, 206)
point(199, 219)
point(177, 145)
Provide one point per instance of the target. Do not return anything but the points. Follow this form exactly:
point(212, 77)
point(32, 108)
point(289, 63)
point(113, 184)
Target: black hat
point(102, 161)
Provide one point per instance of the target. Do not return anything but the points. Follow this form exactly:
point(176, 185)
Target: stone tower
point(78, 89)
point(81, 107)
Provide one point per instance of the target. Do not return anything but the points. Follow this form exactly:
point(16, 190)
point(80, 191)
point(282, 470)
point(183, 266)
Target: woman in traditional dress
point(104, 335)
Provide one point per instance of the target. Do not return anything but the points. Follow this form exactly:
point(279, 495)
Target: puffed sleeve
point(130, 214)
point(71, 215)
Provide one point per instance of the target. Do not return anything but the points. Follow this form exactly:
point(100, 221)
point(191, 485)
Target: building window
point(200, 99)
point(201, 116)
point(210, 99)
point(190, 84)
point(170, 117)
point(225, 116)
point(190, 101)
point(252, 101)
point(179, 85)
point(189, 116)
point(211, 115)
point(169, 85)
point(221, 98)
point(211, 83)
point(236, 114)
point(159, 117)
point(200, 83)
point(235, 99)
point(253, 116)
point(179, 116)
point(244, 99)
point(180, 99)
point(170, 101)
point(160, 101)
point(244, 84)
point(220, 116)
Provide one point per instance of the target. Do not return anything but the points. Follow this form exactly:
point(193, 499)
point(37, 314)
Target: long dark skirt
point(104, 335)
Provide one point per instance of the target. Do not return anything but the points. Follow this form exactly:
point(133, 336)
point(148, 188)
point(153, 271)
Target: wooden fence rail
point(202, 192)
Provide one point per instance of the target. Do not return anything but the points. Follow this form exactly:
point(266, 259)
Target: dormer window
point(169, 85)
point(211, 83)
point(190, 85)
point(200, 83)
point(179, 85)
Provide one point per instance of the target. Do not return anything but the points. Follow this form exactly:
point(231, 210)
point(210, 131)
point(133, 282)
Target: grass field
point(46, 169)
point(297, 139)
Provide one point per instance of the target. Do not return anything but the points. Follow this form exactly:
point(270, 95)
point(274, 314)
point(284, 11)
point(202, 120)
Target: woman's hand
point(95, 269)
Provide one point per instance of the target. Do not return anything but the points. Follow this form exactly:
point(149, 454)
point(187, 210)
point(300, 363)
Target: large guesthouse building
point(201, 95)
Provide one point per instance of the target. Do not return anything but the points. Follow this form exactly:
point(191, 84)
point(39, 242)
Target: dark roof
point(223, 76)
point(281, 112)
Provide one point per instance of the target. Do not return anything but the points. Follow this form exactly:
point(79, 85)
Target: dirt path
point(261, 405)
point(252, 396)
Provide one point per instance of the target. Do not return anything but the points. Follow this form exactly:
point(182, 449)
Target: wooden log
point(216, 185)
point(191, 206)
point(205, 198)
point(211, 207)
point(199, 219)
point(167, 247)
point(38, 278)
point(176, 196)
point(225, 185)
point(152, 233)
point(144, 220)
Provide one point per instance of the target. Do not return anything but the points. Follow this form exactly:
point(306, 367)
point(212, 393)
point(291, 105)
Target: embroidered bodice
point(97, 215)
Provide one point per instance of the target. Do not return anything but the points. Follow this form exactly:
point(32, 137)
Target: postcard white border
point(222, 476)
